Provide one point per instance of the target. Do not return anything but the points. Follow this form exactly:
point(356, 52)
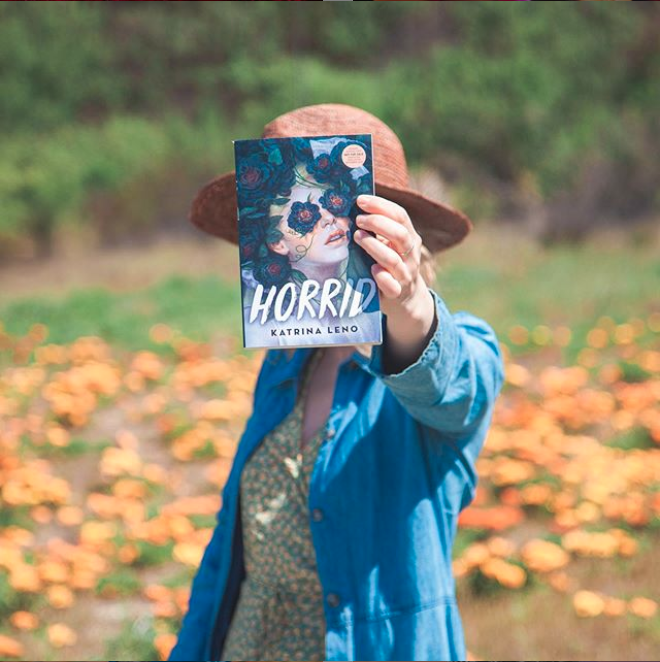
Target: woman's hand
point(405, 297)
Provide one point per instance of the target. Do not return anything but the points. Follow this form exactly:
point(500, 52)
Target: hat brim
point(214, 211)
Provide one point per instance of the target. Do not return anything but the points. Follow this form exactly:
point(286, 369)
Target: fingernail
point(359, 219)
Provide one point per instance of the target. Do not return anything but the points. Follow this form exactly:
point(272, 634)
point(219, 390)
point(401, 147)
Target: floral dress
point(279, 614)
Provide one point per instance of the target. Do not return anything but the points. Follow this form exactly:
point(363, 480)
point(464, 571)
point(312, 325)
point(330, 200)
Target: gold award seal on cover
point(353, 156)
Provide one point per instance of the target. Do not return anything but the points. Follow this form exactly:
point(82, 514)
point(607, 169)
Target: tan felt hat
point(441, 226)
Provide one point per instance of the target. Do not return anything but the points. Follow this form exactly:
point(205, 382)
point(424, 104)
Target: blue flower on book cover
point(296, 211)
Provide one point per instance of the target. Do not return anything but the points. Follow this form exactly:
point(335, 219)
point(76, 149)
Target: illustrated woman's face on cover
point(328, 239)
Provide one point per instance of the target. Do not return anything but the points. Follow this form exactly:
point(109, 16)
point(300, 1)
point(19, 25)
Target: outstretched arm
point(452, 383)
point(446, 370)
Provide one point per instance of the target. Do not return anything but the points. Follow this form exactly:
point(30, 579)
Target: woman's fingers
point(392, 230)
point(374, 204)
point(385, 256)
point(396, 249)
point(386, 282)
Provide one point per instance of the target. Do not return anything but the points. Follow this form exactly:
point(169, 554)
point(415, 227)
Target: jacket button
point(330, 434)
point(333, 599)
point(317, 514)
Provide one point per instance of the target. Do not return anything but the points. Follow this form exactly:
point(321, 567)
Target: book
point(305, 282)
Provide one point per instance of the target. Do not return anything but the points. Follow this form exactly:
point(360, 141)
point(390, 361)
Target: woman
point(335, 535)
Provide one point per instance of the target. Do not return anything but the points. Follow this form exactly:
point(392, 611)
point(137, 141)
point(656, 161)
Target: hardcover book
point(304, 280)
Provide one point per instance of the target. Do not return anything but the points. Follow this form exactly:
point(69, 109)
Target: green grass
point(637, 437)
point(198, 308)
point(509, 281)
point(74, 449)
point(134, 642)
point(120, 583)
point(502, 278)
point(151, 554)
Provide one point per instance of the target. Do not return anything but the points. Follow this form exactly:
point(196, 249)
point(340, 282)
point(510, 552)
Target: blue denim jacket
point(396, 469)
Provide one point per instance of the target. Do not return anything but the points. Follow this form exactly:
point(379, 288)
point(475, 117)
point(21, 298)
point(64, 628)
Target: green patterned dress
point(279, 615)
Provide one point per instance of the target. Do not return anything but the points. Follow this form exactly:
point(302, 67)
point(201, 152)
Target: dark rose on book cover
point(304, 281)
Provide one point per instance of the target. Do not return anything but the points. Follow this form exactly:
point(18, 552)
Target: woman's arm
point(453, 383)
point(409, 334)
point(446, 370)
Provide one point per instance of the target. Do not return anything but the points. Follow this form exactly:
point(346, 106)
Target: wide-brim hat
point(214, 208)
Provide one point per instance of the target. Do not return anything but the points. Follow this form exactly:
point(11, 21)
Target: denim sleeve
point(197, 621)
point(453, 385)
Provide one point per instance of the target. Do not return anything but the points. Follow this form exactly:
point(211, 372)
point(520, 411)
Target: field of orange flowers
point(111, 464)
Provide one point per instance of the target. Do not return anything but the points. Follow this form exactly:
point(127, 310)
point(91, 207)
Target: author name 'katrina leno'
point(310, 330)
point(351, 302)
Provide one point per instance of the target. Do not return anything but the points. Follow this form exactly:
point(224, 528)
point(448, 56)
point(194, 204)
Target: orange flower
point(560, 581)
point(59, 596)
point(10, 647)
point(459, 568)
point(157, 592)
point(182, 597)
point(496, 518)
point(95, 534)
point(58, 436)
point(188, 554)
point(599, 544)
point(614, 607)
point(134, 381)
point(208, 504)
point(118, 461)
point(160, 333)
point(127, 440)
point(518, 335)
point(129, 487)
point(536, 494)
point(53, 571)
point(128, 553)
point(543, 556)
point(218, 472)
point(70, 515)
point(499, 546)
point(567, 381)
point(61, 635)
point(507, 574)
point(83, 579)
point(24, 620)
point(154, 473)
point(588, 604)
point(217, 410)
point(164, 643)
point(597, 338)
point(148, 364)
point(476, 554)
point(509, 472)
point(643, 607)
point(164, 609)
point(517, 375)
point(180, 527)
point(24, 578)
point(41, 514)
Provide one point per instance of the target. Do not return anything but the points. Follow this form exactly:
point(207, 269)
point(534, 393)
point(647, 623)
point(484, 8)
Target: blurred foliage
point(105, 108)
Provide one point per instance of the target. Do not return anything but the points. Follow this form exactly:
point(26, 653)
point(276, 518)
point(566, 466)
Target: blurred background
point(124, 387)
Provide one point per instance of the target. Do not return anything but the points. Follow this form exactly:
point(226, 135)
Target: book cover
point(304, 280)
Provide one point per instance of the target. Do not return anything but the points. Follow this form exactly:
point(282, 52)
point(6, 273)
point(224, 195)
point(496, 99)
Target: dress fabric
point(279, 614)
